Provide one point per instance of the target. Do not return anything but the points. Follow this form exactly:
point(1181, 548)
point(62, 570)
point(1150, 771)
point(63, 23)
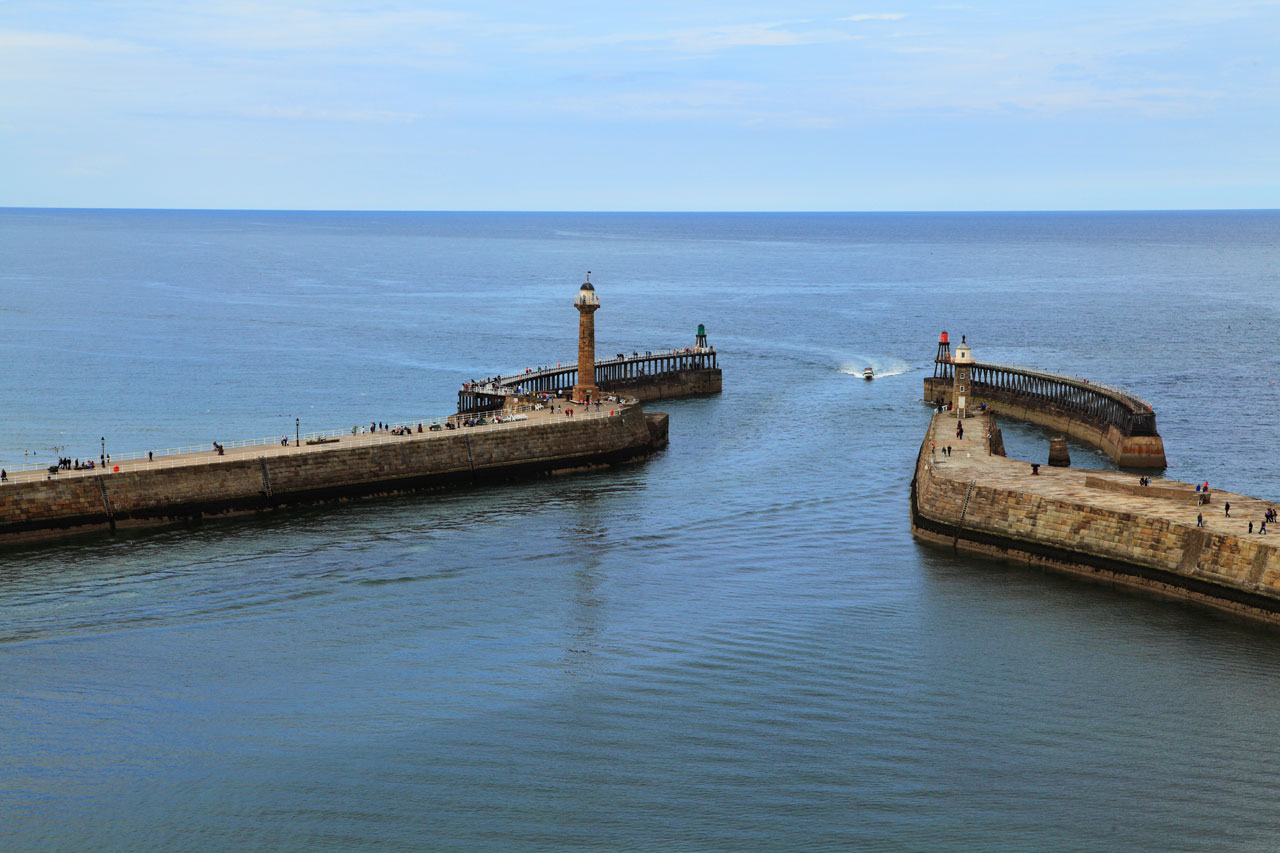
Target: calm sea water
point(734, 646)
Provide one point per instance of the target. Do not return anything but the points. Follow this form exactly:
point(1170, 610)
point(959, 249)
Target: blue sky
point(741, 105)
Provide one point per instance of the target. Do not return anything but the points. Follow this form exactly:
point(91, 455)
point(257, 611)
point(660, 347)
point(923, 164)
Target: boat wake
point(882, 367)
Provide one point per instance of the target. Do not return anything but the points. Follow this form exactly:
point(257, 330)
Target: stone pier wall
point(50, 508)
point(668, 386)
point(1176, 559)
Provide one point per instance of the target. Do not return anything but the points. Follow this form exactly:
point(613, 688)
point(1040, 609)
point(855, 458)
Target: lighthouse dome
point(587, 293)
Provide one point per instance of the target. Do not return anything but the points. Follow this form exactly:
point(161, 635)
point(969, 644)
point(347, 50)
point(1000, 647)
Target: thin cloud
point(16, 40)
point(249, 27)
point(876, 16)
point(274, 113)
point(711, 40)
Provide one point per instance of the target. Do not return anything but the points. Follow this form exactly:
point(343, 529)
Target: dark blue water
point(736, 645)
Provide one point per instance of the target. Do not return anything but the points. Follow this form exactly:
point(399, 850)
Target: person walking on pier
point(4, 476)
point(1199, 520)
point(1226, 509)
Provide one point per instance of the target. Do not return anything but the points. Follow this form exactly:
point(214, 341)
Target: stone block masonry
point(43, 509)
point(1100, 525)
point(693, 382)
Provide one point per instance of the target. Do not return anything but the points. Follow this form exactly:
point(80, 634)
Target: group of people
point(1269, 515)
point(217, 448)
point(1203, 489)
point(68, 464)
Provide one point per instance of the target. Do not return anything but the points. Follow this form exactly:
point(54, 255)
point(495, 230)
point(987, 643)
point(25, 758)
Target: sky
point(664, 106)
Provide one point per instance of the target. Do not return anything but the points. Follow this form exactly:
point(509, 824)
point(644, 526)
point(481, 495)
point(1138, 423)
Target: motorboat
point(868, 374)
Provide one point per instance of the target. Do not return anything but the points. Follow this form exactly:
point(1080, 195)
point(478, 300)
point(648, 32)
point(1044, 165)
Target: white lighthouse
point(963, 362)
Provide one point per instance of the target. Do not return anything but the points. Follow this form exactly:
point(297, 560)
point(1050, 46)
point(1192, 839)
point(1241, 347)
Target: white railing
point(504, 383)
point(1116, 393)
point(176, 457)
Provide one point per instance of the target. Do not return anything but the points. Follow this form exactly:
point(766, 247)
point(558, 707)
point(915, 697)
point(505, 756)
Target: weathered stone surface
point(668, 386)
point(1098, 524)
point(33, 509)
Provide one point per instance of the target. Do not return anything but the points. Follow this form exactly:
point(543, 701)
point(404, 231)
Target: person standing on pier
point(1199, 519)
point(1226, 509)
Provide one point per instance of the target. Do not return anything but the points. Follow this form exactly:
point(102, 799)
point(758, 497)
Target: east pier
point(1170, 538)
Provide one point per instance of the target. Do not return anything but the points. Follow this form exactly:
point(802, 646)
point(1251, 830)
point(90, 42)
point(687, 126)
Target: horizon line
point(641, 211)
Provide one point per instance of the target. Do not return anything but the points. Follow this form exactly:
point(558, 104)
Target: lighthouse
point(587, 302)
point(963, 361)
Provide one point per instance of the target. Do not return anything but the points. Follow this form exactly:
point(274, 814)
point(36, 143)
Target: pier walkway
point(1164, 537)
point(1170, 500)
point(267, 448)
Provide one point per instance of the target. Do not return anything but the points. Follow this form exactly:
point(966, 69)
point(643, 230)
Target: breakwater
point(205, 484)
point(1116, 422)
point(1101, 525)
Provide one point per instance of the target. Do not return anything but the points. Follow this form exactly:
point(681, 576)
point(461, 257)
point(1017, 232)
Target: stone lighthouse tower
point(960, 390)
point(587, 303)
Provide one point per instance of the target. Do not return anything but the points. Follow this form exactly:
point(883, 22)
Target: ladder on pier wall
point(955, 543)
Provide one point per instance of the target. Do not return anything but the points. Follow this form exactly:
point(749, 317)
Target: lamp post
point(297, 432)
point(104, 451)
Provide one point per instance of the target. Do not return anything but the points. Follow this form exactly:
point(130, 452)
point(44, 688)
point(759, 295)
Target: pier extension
point(1110, 419)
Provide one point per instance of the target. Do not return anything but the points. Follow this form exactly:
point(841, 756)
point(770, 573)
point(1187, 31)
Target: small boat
point(868, 374)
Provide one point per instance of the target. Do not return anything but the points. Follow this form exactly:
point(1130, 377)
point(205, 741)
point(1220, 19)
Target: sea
point(735, 645)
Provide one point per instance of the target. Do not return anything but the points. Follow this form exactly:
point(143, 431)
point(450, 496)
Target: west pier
point(643, 377)
point(510, 429)
point(1171, 538)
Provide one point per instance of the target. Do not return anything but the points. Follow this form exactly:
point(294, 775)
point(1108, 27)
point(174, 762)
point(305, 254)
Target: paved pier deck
point(1100, 524)
point(1171, 500)
point(269, 450)
point(262, 477)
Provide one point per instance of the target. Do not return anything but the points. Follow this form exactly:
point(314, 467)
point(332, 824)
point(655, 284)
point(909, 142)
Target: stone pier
point(1166, 538)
